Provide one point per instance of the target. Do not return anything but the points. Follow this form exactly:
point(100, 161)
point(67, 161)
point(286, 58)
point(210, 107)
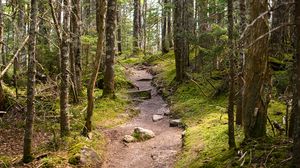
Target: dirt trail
point(159, 152)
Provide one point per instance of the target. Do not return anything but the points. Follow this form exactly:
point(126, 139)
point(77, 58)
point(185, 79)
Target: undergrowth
point(57, 152)
point(205, 115)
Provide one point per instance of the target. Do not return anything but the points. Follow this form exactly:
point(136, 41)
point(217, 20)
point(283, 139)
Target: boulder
point(156, 117)
point(176, 123)
point(143, 134)
point(129, 139)
point(87, 158)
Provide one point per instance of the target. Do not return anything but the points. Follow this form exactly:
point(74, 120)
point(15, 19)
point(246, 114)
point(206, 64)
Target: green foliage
point(205, 142)
point(281, 81)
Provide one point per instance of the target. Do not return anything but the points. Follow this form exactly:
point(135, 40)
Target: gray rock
point(129, 139)
point(176, 123)
point(164, 111)
point(143, 134)
point(156, 117)
point(90, 158)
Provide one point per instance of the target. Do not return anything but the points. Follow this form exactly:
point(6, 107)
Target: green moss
point(5, 161)
point(52, 162)
point(205, 142)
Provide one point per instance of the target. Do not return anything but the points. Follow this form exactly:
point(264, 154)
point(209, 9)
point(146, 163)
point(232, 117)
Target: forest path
point(158, 152)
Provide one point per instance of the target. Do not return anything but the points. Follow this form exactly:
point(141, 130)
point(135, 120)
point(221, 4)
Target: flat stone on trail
point(144, 134)
point(156, 117)
point(176, 123)
point(129, 139)
point(164, 111)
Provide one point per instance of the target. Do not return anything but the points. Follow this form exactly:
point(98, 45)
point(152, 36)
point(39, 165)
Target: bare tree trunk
point(179, 40)
point(109, 82)
point(27, 148)
point(136, 27)
point(2, 95)
point(75, 55)
point(64, 86)
point(164, 31)
point(145, 26)
point(231, 138)
point(296, 154)
point(255, 102)
point(239, 97)
point(92, 81)
point(119, 35)
point(1, 34)
point(170, 25)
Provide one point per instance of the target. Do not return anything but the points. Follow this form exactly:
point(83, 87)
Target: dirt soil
point(158, 152)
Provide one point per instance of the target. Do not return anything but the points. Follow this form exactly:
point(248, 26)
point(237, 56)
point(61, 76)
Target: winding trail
point(158, 152)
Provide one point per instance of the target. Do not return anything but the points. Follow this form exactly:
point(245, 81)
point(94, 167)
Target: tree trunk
point(170, 25)
point(239, 97)
point(164, 31)
point(136, 27)
point(179, 41)
point(1, 35)
point(76, 50)
point(278, 39)
point(119, 35)
point(145, 26)
point(93, 79)
point(296, 154)
point(231, 138)
point(255, 101)
point(109, 86)
point(64, 86)
point(27, 148)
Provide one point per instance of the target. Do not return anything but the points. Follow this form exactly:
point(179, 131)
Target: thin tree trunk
point(64, 86)
point(164, 37)
point(239, 97)
point(231, 138)
point(1, 35)
point(92, 81)
point(109, 86)
point(145, 26)
point(119, 35)
point(27, 148)
point(136, 27)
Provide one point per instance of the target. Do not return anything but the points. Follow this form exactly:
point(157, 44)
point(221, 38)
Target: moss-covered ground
point(205, 117)
point(57, 152)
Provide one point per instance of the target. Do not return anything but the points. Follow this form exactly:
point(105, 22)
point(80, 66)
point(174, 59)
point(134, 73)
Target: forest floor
point(160, 151)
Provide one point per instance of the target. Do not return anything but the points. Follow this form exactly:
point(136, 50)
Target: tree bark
point(164, 31)
point(109, 83)
point(76, 48)
point(239, 97)
point(64, 86)
point(296, 154)
point(255, 102)
point(136, 27)
point(27, 148)
point(93, 79)
point(119, 36)
point(231, 138)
